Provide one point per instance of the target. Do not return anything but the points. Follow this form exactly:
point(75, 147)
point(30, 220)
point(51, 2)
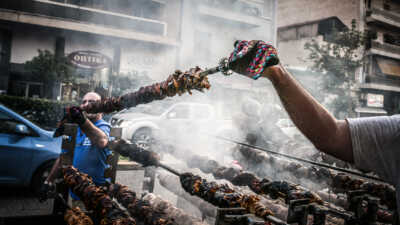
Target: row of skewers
point(275, 189)
point(339, 183)
point(148, 210)
point(218, 195)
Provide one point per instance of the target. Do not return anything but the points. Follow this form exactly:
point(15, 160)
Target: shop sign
point(89, 59)
point(374, 100)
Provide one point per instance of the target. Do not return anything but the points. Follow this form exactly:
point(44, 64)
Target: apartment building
point(135, 36)
point(209, 29)
point(378, 79)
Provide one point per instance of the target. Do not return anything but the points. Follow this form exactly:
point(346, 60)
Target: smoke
point(236, 107)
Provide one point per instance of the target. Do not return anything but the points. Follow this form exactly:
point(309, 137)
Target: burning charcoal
point(76, 216)
point(94, 198)
point(177, 83)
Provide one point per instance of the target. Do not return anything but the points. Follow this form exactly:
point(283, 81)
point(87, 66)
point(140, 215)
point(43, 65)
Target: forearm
point(54, 170)
point(313, 120)
point(95, 134)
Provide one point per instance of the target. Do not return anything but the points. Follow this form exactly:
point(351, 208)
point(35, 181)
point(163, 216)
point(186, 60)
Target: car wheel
point(40, 176)
point(143, 138)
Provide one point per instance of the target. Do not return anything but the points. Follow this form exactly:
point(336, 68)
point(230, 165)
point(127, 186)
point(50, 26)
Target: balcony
point(235, 11)
point(72, 17)
point(379, 87)
point(384, 49)
point(382, 17)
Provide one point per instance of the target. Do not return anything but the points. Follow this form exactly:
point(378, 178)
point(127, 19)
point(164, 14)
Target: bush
point(45, 113)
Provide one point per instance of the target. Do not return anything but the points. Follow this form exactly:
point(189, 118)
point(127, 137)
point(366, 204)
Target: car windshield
point(153, 108)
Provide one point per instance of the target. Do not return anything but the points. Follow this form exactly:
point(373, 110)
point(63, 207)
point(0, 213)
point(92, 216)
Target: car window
point(179, 112)
point(154, 108)
point(201, 112)
point(7, 123)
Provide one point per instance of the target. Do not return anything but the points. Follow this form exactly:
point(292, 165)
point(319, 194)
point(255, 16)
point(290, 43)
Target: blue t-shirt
point(90, 159)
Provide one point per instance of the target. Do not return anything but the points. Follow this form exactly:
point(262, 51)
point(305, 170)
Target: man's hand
point(251, 58)
point(76, 115)
point(46, 191)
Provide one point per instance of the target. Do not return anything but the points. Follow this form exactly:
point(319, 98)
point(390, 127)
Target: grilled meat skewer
point(139, 208)
point(177, 83)
point(94, 198)
point(76, 216)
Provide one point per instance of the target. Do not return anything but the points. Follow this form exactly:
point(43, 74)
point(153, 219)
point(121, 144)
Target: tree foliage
point(338, 59)
point(128, 82)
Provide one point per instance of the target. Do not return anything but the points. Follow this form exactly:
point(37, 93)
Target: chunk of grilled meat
point(76, 216)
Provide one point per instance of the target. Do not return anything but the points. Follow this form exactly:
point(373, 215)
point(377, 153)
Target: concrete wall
point(158, 62)
point(221, 31)
point(301, 11)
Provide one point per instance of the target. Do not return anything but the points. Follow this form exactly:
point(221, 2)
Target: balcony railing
point(383, 17)
point(70, 12)
point(388, 50)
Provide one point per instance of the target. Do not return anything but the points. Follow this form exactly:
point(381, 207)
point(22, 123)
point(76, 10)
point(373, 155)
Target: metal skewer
point(169, 169)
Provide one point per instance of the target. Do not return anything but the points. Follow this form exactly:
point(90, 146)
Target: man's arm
point(328, 134)
point(54, 170)
point(96, 135)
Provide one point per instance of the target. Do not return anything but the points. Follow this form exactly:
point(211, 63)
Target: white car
point(186, 120)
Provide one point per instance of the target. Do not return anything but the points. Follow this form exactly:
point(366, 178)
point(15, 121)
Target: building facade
point(143, 38)
point(378, 80)
point(140, 38)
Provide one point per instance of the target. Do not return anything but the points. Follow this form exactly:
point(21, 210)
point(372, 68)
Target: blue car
point(27, 152)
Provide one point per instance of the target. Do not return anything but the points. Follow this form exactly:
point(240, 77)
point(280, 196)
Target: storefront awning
point(389, 67)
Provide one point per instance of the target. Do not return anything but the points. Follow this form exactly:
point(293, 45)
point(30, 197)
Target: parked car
point(27, 152)
point(142, 124)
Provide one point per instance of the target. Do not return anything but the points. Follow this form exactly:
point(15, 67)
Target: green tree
point(49, 69)
point(338, 59)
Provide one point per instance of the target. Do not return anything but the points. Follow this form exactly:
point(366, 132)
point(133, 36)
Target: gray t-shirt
point(376, 147)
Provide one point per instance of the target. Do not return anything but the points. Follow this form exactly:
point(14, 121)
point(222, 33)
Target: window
point(179, 112)
point(201, 112)
point(386, 5)
point(7, 123)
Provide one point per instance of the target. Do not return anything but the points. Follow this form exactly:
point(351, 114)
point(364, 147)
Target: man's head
point(87, 99)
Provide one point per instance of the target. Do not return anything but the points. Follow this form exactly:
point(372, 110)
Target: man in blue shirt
point(90, 154)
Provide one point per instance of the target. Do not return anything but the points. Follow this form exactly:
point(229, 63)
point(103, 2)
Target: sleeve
point(105, 128)
point(374, 141)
